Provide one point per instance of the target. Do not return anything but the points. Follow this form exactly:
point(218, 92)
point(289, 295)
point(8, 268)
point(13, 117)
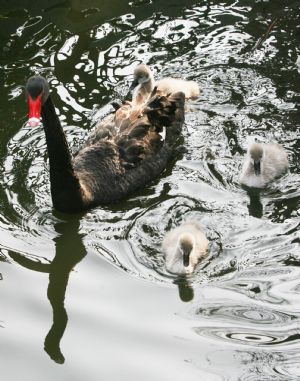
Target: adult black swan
point(124, 152)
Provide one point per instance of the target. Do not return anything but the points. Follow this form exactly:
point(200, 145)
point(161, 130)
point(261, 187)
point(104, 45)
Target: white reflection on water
point(240, 316)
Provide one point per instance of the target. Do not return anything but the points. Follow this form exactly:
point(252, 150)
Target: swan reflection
point(185, 289)
point(69, 251)
point(255, 206)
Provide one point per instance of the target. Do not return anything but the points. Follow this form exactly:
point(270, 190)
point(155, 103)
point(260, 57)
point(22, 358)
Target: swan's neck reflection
point(69, 251)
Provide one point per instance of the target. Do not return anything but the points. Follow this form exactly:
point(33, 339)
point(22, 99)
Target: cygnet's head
point(256, 153)
point(141, 74)
point(186, 244)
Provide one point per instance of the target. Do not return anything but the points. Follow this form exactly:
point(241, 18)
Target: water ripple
point(250, 337)
point(244, 296)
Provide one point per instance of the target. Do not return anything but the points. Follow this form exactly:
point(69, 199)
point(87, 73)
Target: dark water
point(87, 297)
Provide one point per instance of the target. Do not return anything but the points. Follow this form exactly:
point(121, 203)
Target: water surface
point(87, 296)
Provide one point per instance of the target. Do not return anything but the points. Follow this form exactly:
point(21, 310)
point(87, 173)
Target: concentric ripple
point(250, 337)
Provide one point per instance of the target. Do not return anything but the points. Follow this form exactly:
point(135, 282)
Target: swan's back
point(274, 162)
point(173, 85)
point(121, 156)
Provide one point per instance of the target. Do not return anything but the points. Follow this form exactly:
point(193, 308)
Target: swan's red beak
point(35, 106)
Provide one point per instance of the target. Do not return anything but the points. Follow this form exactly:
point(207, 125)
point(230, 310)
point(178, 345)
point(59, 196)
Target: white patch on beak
point(33, 122)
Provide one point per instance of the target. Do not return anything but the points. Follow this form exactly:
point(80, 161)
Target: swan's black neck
point(65, 187)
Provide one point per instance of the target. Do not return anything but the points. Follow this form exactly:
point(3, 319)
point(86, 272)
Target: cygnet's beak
point(186, 259)
point(134, 84)
point(257, 167)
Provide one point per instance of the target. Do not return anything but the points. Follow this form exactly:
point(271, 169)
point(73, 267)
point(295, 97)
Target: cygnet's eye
point(143, 78)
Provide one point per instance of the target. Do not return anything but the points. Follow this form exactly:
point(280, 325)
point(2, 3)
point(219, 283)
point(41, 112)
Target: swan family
point(129, 148)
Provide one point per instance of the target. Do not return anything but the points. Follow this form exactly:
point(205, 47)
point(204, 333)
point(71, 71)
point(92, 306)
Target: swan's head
point(256, 153)
point(186, 244)
point(37, 91)
point(142, 74)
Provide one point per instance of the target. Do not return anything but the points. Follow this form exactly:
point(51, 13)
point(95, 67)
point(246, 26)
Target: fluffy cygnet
point(263, 163)
point(144, 83)
point(184, 247)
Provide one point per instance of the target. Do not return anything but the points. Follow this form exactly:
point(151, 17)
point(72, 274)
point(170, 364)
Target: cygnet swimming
point(263, 163)
point(144, 82)
point(184, 247)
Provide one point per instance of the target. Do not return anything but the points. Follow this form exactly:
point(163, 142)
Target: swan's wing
point(142, 135)
point(109, 126)
point(122, 115)
point(167, 111)
point(106, 129)
point(143, 140)
point(275, 161)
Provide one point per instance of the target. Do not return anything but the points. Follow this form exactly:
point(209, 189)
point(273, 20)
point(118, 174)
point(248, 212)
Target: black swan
point(124, 152)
